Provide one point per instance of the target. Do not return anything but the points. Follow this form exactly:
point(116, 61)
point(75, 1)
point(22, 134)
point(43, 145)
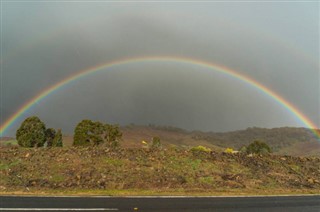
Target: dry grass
point(138, 171)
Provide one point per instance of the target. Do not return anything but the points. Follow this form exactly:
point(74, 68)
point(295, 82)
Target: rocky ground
point(98, 169)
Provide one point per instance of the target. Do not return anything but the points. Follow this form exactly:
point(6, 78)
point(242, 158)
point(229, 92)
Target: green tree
point(88, 132)
point(97, 132)
point(31, 133)
point(57, 140)
point(80, 137)
point(50, 134)
point(113, 135)
point(258, 147)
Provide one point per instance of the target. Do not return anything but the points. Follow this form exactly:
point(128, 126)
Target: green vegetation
point(31, 133)
point(113, 135)
point(90, 133)
point(156, 143)
point(258, 147)
point(200, 149)
point(229, 150)
point(5, 166)
point(50, 134)
point(57, 140)
point(11, 142)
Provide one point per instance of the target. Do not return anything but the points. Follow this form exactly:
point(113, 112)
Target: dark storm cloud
point(273, 43)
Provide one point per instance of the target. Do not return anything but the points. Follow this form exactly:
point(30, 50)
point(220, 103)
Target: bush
point(156, 143)
point(31, 133)
point(200, 149)
point(50, 134)
point(88, 132)
point(258, 147)
point(229, 150)
point(57, 140)
point(113, 135)
point(243, 149)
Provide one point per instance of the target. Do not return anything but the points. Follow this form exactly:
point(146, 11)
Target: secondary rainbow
point(212, 66)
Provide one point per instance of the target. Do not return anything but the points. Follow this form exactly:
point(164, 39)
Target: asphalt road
point(185, 204)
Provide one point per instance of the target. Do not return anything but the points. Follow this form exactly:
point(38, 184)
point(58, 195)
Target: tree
point(96, 133)
point(82, 133)
point(88, 132)
point(57, 140)
point(258, 147)
point(113, 135)
point(31, 133)
point(50, 134)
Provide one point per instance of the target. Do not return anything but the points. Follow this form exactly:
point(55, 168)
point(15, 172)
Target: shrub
point(229, 150)
point(156, 143)
point(258, 147)
point(113, 135)
point(50, 134)
point(57, 140)
point(31, 133)
point(243, 149)
point(88, 132)
point(200, 149)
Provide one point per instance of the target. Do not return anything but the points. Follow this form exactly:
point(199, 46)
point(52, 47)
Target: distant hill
point(6, 138)
point(8, 141)
point(285, 140)
point(278, 138)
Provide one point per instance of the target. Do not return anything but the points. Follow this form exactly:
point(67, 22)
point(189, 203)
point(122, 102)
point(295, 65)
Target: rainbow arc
point(211, 66)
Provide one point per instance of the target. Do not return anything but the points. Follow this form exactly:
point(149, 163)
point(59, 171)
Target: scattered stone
point(86, 168)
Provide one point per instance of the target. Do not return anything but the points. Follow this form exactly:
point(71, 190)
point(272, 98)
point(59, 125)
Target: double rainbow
point(215, 67)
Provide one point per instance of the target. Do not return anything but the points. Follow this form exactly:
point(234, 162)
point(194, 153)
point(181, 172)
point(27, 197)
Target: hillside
point(143, 171)
point(175, 168)
point(290, 141)
point(283, 141)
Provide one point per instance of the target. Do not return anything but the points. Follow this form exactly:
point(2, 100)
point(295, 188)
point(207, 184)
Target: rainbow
point(219, 68)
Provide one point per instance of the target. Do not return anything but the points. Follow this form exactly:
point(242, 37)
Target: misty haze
point(275, 44)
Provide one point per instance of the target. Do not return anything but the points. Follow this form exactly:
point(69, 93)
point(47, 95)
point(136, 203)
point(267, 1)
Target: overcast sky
point(277, 44)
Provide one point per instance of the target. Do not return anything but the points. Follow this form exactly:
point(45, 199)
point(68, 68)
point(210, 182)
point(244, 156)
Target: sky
point(274, 43)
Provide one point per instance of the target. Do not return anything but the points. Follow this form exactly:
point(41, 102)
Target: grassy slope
point(143, 171)
point(175, 170)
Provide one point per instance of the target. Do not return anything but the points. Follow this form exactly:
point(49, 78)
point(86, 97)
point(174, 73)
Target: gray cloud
point(274, 43)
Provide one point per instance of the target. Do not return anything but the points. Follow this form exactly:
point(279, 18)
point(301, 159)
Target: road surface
point(163, 204)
